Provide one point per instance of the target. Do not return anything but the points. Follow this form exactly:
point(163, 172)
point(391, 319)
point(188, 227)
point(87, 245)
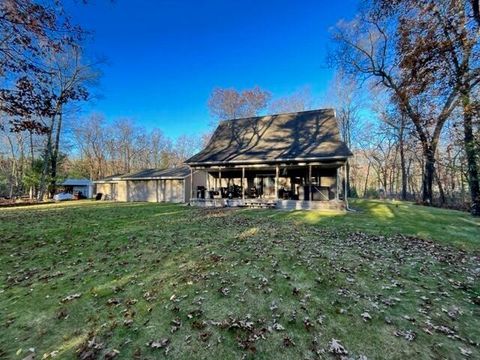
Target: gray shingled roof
point(76, 182)
point(111, 178)
point(308, 136)
point(174, 173)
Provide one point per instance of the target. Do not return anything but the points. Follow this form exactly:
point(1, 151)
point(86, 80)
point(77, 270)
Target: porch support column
point(337, 186)
point(243, 183)
point(156, 190)
point(191, 184)
point(310, 194)
point(277, 172)
point(220, 176)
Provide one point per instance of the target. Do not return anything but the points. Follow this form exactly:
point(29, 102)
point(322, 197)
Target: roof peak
point(280, 114)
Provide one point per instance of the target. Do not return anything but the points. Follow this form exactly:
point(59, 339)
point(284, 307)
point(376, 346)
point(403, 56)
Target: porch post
point(337, 186)
point(156, 190)
point(310, 195)
point(277, 172)
point(191, 184)
point(243, 183)
point(220, 176)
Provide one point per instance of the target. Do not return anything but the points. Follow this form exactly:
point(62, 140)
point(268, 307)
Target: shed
point(73, 186)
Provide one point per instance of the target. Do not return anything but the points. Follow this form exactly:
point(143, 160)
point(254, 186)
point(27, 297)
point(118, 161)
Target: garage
point(151, 185)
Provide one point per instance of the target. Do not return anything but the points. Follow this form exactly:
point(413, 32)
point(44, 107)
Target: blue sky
point(166, 56)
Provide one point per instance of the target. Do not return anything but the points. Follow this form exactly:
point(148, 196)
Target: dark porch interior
point(292, 182)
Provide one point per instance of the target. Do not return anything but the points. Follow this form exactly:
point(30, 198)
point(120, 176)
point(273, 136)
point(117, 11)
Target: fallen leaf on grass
point(278, 327)
point(158, 344)
point(366, 316)
point(50, 355)
point(307, 323)
point(62, 314)
point(465, 352)
point(336, 348)
point(111, 354)
point(453, 312)
point(288, 342)
point(176, 323)
point(113, 301)
point(224, 291)
point(71, 297)
point(205, 336)
point(409, 335)
point(90, 349)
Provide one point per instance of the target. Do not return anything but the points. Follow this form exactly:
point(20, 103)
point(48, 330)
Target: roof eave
point(155, 178)
point(268, 161)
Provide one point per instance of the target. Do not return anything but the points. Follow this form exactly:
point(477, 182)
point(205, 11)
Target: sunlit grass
point(391, 217)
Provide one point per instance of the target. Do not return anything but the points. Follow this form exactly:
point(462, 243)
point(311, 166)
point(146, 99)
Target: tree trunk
point(440, 189)
point(14, 169)
point(32, 163)
point(54, 158)
point(472, 167)
point(428, 174)
point(46, 162)
point(366, 181)
point(403, 166)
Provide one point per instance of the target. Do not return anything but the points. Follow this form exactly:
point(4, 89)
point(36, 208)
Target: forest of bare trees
point(422, 58)
point(405, 90)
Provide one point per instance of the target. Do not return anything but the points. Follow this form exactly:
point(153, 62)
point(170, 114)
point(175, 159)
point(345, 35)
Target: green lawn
point(147, 281)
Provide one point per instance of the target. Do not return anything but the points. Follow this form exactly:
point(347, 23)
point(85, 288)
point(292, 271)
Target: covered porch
point(315, 185)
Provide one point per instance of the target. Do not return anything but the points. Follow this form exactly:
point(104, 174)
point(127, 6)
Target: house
point(291, 160)
point(76, 186)
point(152, 185)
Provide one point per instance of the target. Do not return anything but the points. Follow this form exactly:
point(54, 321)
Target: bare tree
point(367, 47)
point(300, 100)
point(344, 97)
point(72, 77)
point(185, 146)
point(439, 44)
point(227, 104)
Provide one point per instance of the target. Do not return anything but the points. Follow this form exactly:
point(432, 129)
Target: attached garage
point(111, 188)
point(142, 190)
point(151, 185)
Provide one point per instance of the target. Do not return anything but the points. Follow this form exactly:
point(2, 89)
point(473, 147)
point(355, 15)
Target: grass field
point(147, 281)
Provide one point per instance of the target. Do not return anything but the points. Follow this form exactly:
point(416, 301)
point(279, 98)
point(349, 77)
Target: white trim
point(155, 178)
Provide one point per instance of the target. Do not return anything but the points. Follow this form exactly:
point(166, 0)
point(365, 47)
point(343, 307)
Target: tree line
point(405, 90)
point(422, 56)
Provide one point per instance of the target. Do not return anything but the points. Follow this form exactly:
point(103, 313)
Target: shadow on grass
point(393, 217)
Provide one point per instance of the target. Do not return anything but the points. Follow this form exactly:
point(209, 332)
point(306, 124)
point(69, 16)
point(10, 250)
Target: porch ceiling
point(285, 171)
